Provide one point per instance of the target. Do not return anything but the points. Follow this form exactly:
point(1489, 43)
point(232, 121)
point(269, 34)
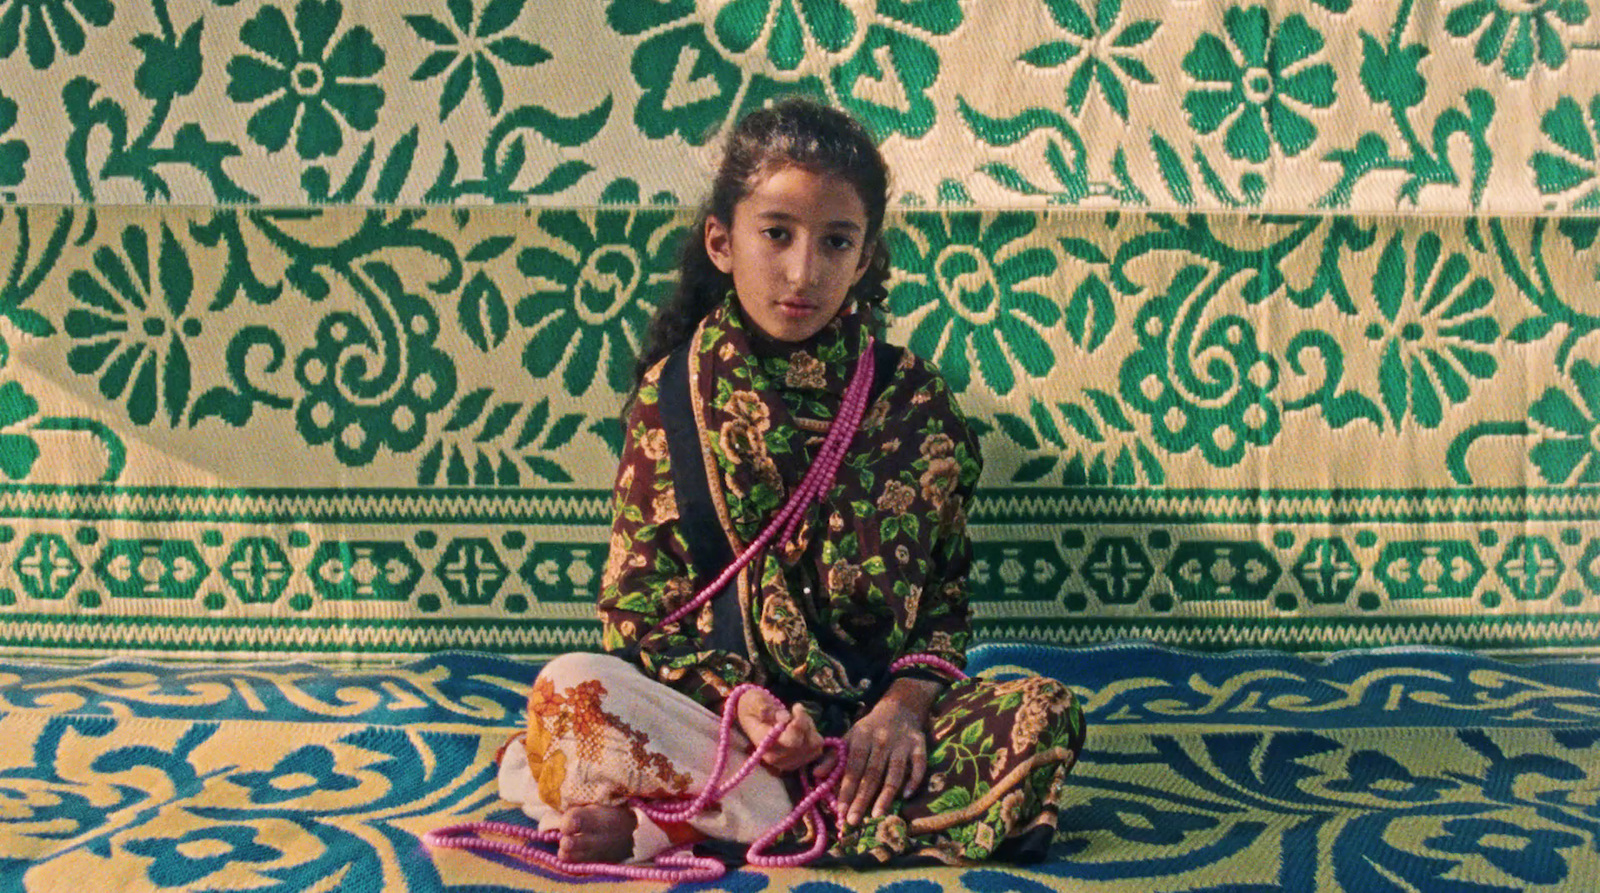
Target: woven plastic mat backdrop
point(1278, 320)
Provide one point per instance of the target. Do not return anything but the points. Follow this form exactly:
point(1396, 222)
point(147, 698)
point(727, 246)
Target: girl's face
point(795, 247)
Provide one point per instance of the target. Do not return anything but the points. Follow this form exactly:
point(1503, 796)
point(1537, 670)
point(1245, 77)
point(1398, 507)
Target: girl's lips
point(796, 309)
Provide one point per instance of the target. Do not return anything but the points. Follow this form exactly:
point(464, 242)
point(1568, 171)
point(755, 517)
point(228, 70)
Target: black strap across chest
point(697, 514)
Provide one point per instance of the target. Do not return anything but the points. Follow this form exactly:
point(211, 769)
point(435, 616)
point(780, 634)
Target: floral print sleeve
point(648, 574)
point(945, 469)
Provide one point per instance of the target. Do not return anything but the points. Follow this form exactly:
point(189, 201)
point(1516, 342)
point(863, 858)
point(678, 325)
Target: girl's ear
point(866, 261)
point(719, 244)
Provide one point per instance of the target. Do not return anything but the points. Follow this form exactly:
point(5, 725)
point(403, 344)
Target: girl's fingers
point(855, 765)
point(919, 768)
point(826, 766)
point(871, 782)
point(893, 780)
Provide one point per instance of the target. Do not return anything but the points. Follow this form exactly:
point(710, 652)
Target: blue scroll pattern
point(1373, 772)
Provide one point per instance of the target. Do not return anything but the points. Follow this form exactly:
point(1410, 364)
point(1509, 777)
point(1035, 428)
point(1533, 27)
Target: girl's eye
point(775, 233)
point(840, 243)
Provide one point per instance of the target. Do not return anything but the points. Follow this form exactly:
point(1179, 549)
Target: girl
point(782, 283)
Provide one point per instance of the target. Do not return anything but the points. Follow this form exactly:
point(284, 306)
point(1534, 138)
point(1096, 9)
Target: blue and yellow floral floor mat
point(1415, 770)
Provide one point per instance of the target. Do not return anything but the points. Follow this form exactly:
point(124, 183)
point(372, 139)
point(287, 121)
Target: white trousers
point(600, 732)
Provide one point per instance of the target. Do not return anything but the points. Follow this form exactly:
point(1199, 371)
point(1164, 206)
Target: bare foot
point(597, 834)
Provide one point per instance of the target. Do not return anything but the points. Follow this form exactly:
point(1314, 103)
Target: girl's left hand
point(887, 753)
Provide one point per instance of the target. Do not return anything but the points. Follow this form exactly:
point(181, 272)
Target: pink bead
point(928, 660)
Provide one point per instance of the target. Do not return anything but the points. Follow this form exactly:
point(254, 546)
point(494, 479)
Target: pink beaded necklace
point(679, 863)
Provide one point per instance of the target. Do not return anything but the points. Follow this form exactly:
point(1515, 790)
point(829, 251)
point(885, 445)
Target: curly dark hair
point(792, 132)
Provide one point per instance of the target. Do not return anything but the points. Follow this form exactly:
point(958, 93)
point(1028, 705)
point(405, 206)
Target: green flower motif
point(1253, 81)
point(974, 291)
point(596, 289)
point(1535, 34)
point(1104, 49)
point(50, 22)
point(469, 51)
point(13, 153)
point(702, 65)
point(1569, 452)
point(1576, 168)
point(360, 408)
point(134, 323)
point(1434, 335)
point(312, 87)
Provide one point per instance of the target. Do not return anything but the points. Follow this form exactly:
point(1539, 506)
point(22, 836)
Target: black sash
point(709, 551)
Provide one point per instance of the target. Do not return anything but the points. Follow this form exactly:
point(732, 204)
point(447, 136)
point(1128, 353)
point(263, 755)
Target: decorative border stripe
point(1573, 634)
point(390, 640)
point(1000, 506)
point(992, 506)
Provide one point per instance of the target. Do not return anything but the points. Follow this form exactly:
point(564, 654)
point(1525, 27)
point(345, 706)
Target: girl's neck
point(765, 346)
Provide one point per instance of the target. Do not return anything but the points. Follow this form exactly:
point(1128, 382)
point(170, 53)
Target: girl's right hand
point(797, 746)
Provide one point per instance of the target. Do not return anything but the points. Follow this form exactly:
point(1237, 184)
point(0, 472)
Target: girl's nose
point(805, 265)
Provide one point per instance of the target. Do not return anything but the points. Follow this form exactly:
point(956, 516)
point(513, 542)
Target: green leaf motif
point(171, 67)
point(489, 249)
point(467, 411)
point(14, 154)
point(18, 451)
point(562, 432)
point(534, 424)
point(609, 430)
point(1090, 313)
point(498, 421)
point(1050, 55)
point(519, 52)
point(1531, 330)
point(1579, 231)
point(562, 176)
point(548, 470)
point(1018, 430)
point(1392, 78)
point(431, 29)
point(1034, 469)
point(483, 314)
point(1045, 425)
point(1082, 422)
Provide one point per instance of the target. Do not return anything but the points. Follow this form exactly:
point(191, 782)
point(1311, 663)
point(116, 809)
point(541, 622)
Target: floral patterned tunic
point(878, 569)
